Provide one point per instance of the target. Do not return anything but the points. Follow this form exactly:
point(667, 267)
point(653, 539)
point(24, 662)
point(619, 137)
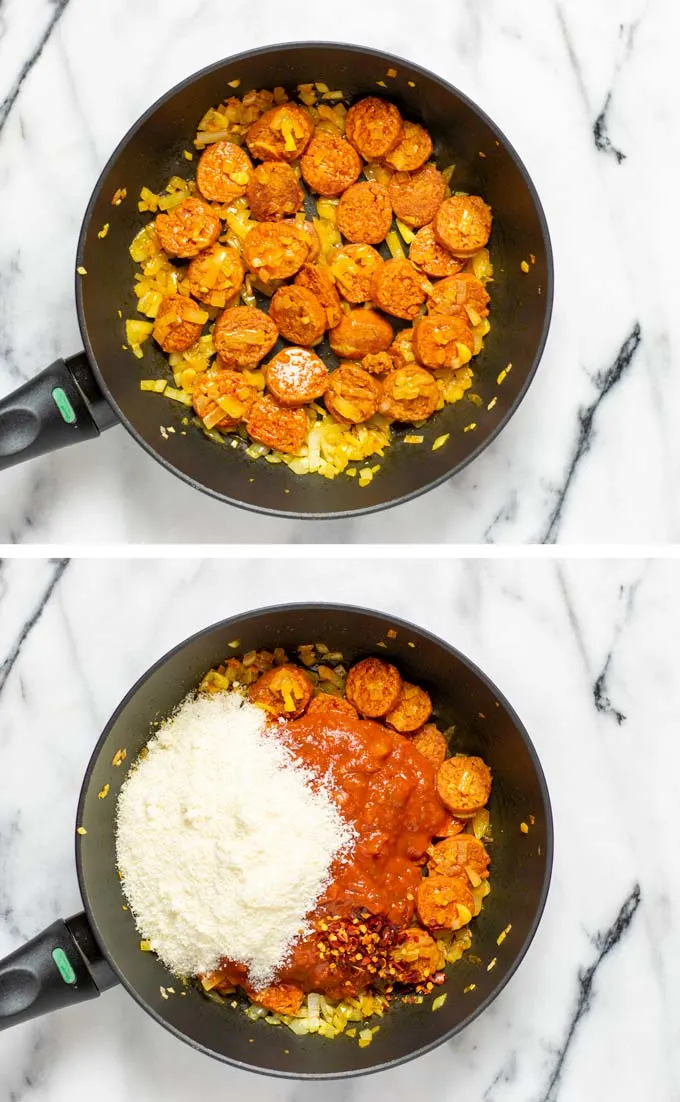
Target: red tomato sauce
point(385, 788)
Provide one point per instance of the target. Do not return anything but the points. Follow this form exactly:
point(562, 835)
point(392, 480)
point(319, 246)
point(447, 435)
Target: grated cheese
point(223, 844)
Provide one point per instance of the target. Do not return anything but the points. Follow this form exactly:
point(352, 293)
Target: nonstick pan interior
point(485, 724)
point(485, 163)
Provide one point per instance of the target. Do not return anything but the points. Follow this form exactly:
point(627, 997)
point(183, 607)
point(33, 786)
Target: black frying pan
point(76, 959)
point(75, 399)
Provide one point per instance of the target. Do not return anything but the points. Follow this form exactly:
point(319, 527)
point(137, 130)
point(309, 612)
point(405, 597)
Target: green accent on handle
point(61, 401)
point(64, 965)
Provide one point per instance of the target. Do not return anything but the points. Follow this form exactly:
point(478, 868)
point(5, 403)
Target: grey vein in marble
point(26, 629)
point(605, 943)
point(10, 99)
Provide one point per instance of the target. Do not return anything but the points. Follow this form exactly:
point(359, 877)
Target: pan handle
point(60, 967)
point(61, 406)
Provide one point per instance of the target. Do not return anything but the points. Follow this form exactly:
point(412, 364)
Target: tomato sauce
point(385, 788)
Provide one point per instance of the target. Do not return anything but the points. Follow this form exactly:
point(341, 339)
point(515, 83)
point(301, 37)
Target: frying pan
point(76, 398)
point(75, 959)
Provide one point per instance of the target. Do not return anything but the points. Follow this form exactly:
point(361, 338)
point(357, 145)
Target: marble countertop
point(591, 455)
point(584, 652)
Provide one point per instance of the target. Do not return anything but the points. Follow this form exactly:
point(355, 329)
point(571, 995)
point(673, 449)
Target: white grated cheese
point(223, 845)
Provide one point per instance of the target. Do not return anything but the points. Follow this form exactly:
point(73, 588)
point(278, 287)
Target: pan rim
point(281, 512)
point(394, 621)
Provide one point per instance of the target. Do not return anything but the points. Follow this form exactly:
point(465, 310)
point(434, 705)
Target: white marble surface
point(585, 652)
point(582, 90)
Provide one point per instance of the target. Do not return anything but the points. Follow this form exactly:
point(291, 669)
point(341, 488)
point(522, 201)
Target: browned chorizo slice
point(223, 172)
point(216, 275)
point(416, 196)
point(463, 224)
point(353, 268)
point(359, 333)
point(413, 149)
point(243, 335)
point(188, 228)
point(330, 164)
point(460, 294)
point(352, 394)
point(416, 956)
point(399, 289)
point(274, 192)
point(327, 705)
point(178, 323)
point(464, 784)
point(277, 426)
point(431, 257)
point(445, 902)
point(401, 349)
point(450, 825)
point(378, 363)
point(436, 339)
point(458, 856)
point(283, 691)
point(373, 687)
point(412, 710)
point(296, 376)
point(298, 315)
point(319, 281)
point(364, 213)
point(275, 250)
point(374, 127)
point(430, 742)
point(223, 398)
point(409, 394)
point(280, 134)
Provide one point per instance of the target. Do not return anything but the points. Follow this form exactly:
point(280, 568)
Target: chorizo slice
point(353, 268)
point(401, 349)
point(431, 257)
point(374, 127)
point(444, 902)
point(399, 289)
point(223, 398)
point(274, 192)
point(416, 196)
point(243, 335)
point(277, 426)
point(216, 275)
point(282, 691)
point(373, 687)
point(409, 394)
point(413, 149)
point(330, 164)
point(275, 250)
point(461, 294)
point(352, 395)
point(416, 956)
point(430, 742)
point(298, 315)
point(463, 224)
point(319, 281)
point(378, 363)
point(296, 376)
point(178, 323)
point(436, 339)
point(325, 704)
point(280, 134)
point(359, 333)
point(364, 213)
point(464, 784)
point(450, 826)
point(281, 998)
point(459, 856)
point(223, 172)
point(188, 228)
point(412, 710)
